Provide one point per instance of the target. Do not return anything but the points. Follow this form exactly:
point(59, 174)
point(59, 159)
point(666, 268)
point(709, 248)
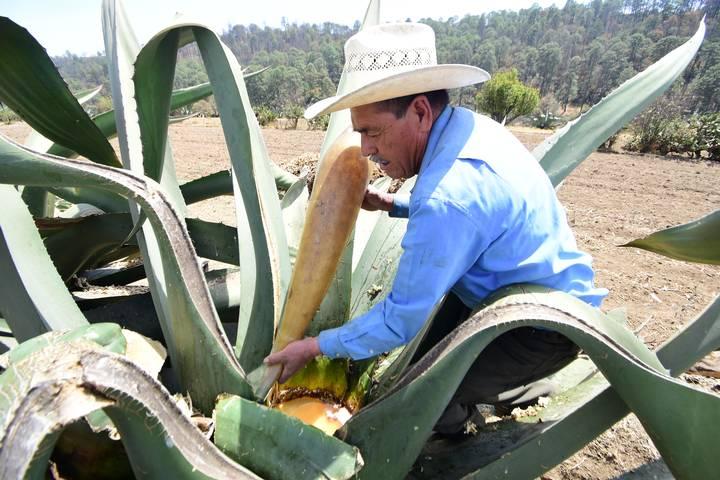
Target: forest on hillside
point(573, 55)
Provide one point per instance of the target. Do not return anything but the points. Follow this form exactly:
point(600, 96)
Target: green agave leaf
point(104, 200)
point(263, 249)
point(31, 307)
point(62, 383)
point(107, 335)
point(81, 241)
point(277, 446)
point(40, 203)
point(209, 186)
point(373, 276)
point(697, 339)
point(335, 308)
point(141, 82)
point(214, 240)
point(294, 207)
point(89, 242)
point(340, 121)
point(192, 330)
point(84, 96)
point(106, 121)
point(283, 179)
point(697, 241)
point(569, 146)
point(680, 426)
point(220, 183)
point(32, 87)
point(153, 77)
point(366, 222)
point(580, 415)
point(37, 142)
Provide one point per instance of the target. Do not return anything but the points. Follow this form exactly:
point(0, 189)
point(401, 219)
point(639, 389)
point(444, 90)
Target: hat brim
point(425, 79)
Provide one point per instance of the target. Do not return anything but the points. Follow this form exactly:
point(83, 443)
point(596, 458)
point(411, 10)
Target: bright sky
point(74, 25)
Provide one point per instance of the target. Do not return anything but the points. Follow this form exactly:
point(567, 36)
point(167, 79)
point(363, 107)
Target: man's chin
point(388, 173)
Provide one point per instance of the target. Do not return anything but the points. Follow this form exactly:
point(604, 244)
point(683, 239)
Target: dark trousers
point(508, 372)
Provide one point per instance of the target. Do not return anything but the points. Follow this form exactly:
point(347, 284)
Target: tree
point(505, 97)
point(549, 60)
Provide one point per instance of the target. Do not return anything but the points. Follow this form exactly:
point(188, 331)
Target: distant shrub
point(707, 136)
point(607, 145)
point(205, 107)
point(663, 130)
point(265, 116)
point(320, 122)
point(660, 129)
point(293, 113)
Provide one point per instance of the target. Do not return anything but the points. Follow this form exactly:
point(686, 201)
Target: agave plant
point(65, 370)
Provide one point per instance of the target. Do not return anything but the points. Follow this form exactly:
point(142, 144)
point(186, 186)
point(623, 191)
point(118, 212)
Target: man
point(482, 215)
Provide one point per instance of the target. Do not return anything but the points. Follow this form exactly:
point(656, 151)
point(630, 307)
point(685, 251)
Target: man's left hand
point(294, 356)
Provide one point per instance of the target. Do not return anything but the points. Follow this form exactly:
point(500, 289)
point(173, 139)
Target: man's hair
point(398, 106)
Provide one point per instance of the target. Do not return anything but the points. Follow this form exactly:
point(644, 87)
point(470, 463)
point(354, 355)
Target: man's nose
point(367, 147)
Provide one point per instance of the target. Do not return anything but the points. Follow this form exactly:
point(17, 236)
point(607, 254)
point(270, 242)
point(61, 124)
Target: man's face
point(396, 144)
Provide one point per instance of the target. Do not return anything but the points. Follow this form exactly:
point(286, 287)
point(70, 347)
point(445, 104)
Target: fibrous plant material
point(332, 211)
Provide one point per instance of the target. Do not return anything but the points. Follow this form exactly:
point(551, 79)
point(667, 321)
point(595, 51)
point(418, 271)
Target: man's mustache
point(376, 159)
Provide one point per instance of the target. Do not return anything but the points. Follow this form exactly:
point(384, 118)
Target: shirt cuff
point(330, 344)
point(401, 206)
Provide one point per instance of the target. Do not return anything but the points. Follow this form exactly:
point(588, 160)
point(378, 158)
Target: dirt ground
point(610, 199)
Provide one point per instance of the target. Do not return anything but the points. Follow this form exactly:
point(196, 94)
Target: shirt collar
point(435, 133)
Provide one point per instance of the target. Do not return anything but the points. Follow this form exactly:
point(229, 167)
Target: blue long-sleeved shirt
point(482, 215)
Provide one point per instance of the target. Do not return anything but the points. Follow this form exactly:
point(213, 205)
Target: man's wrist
point(400, 206)
point(315, 346)
point(389, 201)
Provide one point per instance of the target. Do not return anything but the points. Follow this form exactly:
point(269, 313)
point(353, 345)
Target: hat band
point(389, 59)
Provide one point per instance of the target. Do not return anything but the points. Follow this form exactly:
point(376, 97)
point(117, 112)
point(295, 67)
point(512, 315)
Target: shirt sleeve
point(401, 206)
point(440, 245)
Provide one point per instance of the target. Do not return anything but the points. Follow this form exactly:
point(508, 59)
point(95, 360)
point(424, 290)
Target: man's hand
point(377, 200)
point(294, 356)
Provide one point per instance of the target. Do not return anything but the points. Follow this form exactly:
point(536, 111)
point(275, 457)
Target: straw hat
point(393, 60)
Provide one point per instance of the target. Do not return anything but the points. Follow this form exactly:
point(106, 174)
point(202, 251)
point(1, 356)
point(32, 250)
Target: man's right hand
point(377, 200)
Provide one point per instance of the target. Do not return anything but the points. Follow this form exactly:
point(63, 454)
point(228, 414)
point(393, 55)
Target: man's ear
point(421, 107)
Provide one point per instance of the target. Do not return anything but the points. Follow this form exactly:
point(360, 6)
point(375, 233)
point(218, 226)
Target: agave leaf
point(27, 444)
point(61, 383)
point(80, 241)
point(141, 82)
point(106, 121)
point(32, 87)
point(153, 77)
point(697, 339)
point(294, 207)
point(372, 278)
point(340, 121)
point(335, 308)
point(88, 242)
point(366, 222)
point(697, 241)
point(258, 436)
point(31, 307)
point(263, 249)
point(214, 240)
point(283, 179)
point(192, 325)
point(569, 146)
point(582, 414)
point(209, 186)
point(634, 372)
point(107, 335)
point(37, 142)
